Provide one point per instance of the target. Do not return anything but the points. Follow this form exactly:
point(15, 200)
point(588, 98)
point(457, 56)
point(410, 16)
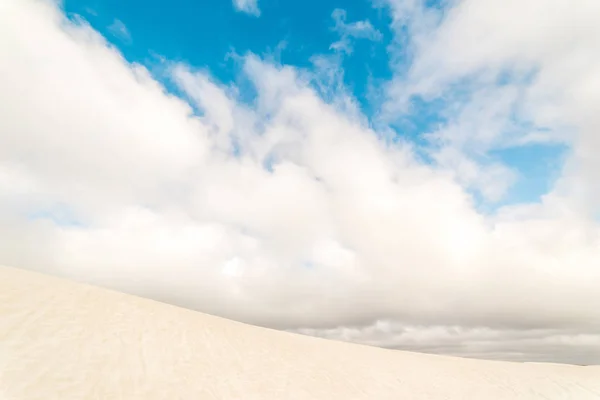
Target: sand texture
point(64, 340)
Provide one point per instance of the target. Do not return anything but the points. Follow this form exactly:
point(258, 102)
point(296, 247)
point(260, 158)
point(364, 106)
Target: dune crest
point(64, 340)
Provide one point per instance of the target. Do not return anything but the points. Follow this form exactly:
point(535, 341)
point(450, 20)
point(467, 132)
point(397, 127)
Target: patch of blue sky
point(368, 64)
point(538, 167)
point(523, 76)
point(439, 4)
point(422, 118)
point(59, 214)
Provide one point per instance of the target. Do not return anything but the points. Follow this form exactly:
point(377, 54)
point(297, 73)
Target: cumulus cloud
point(290, 211)
point(351, 30)
point(249, 7)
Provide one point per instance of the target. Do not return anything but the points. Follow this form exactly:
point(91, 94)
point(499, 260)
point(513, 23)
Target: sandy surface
point(62, 340)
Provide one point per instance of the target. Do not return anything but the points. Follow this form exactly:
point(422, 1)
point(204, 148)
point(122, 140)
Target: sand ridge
point(65, 340)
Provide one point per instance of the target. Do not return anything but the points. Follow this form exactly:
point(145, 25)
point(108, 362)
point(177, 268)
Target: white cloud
point(249, 7)
point(353, 30)
point(288, 212)
point(523, 345)
point(547, 52)
point(119, 30)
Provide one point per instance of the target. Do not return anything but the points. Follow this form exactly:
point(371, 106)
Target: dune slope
point(64, 340)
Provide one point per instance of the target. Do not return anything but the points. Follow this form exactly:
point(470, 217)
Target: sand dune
point(63, 340)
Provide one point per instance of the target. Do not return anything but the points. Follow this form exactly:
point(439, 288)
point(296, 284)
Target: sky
point(411, 174)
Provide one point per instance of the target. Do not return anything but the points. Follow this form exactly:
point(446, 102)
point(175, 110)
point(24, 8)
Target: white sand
point(62, 340)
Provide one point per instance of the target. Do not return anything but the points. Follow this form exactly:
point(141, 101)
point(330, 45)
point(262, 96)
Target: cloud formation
point(249, 7)
point(119, 30)
point(352, 30)
point(510, 74)
point(292, 211)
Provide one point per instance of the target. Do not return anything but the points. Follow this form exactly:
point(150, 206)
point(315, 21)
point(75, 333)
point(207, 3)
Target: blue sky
point(205, 34)
point(290, 32)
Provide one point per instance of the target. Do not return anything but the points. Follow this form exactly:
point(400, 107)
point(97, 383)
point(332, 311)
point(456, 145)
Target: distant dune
point(63, 340)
